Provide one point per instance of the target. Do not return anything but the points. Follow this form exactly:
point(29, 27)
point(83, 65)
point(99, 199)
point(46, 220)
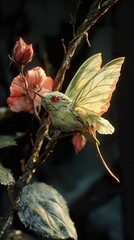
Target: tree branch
point(95, 12)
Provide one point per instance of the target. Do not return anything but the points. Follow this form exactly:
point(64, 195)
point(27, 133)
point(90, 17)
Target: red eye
point(54, 99)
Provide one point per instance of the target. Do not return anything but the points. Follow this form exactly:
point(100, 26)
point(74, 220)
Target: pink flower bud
point(22, 52)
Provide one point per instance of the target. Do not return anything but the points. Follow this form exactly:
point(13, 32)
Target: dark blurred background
point(100, 207)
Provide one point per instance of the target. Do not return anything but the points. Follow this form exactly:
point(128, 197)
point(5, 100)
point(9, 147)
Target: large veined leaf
point(44, 211)
point(6, 177)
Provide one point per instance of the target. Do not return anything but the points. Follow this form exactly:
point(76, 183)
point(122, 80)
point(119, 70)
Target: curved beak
point(28, 89)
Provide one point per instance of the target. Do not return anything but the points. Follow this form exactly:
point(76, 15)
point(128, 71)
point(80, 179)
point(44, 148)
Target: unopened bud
point(22, 53)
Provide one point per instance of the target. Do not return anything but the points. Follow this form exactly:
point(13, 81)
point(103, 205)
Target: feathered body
point(86, 98)
point(63, 117)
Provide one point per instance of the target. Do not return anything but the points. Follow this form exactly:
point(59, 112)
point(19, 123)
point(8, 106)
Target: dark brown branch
point(95, 12)
point(7, 222)
point(31, 164)
point(36, 160)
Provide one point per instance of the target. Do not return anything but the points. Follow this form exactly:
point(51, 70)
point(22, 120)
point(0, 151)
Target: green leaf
point(7, 141)
point(6, 177)
point(43, 210)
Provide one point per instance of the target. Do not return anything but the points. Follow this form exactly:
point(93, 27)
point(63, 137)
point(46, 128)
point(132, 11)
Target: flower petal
point(79, 142)
point(20, 104)
point(35, 79)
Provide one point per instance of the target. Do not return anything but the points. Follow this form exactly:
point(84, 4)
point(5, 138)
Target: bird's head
point(55, 100)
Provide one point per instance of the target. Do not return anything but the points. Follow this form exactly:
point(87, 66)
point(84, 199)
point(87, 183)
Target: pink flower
point(79, 142)
point(22, 53)
point(21, 100)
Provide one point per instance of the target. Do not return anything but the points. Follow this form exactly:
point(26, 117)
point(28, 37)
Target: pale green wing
point(95, 93)
point(84, 74)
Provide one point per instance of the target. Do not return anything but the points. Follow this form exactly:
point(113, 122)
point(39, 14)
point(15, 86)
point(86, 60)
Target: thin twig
point(95, 12)
point(31, 164)
point(7, 222)
point(73, 18)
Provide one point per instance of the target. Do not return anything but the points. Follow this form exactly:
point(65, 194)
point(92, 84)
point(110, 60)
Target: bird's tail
point(95, 143)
